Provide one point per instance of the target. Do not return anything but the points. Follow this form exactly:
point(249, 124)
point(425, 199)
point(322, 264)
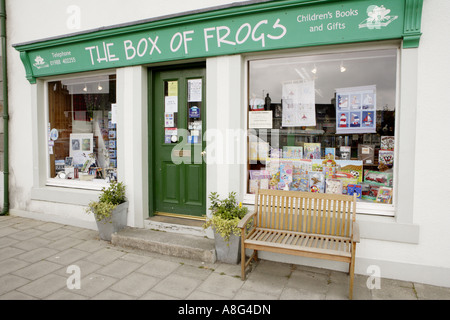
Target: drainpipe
point(5, 209)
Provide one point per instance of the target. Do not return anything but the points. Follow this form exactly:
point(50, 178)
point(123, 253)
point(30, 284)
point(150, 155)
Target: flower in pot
point(110, 210)
point(225, 217)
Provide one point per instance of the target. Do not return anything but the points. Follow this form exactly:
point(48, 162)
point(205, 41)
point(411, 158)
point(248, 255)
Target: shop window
point(324, 123)
point(82, 148)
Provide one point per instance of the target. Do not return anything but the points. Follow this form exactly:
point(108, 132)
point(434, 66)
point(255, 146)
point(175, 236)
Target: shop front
point(320, 113)
point(312, 96)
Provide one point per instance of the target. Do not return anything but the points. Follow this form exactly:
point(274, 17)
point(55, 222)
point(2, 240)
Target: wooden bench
point(306, 224)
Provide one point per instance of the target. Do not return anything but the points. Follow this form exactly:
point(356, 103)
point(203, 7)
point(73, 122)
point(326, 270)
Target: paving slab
point(119, 268)
point(37, 270)
point(178, 286)
point(135, 284)
point(35, 256)
point(158, 268)
point(44, 286)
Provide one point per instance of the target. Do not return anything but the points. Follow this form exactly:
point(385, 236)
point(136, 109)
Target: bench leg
point(244, 263)
point(352, 271)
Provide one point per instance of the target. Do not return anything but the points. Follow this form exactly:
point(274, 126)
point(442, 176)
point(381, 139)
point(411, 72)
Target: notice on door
point(171, 104)
point(260, 119)
point(172, 88)
point(195, 90)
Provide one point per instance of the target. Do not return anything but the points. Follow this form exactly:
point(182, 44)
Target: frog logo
point(40, 63)
point(378, 16)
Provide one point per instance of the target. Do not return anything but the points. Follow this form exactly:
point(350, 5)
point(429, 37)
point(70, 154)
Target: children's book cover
point(386, 157)
point(330, 153)
point(286, 173)
point(366, 153)
point(345, 152)
point(387, 143)
point(384, 195)
point(316, 182)
point(349, 169)
point(292, 152)
point(312, 150)
point(346, 182)
point(254, 174)
point(378, 178)
point(354, 189)
point(333, 186)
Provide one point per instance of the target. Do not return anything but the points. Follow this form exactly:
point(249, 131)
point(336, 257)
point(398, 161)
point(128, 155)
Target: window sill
point(64, 194)
point(95, 184)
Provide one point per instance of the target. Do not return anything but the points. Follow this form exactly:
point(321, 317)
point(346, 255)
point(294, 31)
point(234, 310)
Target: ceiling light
point(100, 88)
point(343, 69)
point(85, 88)
point(314, 70)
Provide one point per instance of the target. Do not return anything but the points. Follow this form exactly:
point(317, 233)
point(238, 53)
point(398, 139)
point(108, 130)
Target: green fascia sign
point(253, 27)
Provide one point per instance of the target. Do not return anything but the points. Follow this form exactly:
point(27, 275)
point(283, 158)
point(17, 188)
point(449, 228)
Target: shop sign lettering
point(286, 27)
point(184, 42)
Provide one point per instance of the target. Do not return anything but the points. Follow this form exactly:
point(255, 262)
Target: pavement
point(48, 261)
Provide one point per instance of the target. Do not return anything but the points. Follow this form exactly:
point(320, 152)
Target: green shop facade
point(255, 94)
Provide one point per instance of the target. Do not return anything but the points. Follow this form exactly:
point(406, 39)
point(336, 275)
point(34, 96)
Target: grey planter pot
point(228, 252)
point(117, 221)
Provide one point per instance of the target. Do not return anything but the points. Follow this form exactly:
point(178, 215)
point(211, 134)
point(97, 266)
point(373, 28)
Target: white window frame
point(368, 208)
point(55, 182)
point(74, 194)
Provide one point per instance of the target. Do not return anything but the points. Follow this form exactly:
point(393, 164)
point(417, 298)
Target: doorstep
point(176, 225)
point(168, 243)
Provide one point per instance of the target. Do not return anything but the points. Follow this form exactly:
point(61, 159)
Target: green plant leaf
point(108, 200)
point(226, 214)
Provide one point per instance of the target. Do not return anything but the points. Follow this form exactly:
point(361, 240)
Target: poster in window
point(356, 110)
point(299, 108)
point(81, 146)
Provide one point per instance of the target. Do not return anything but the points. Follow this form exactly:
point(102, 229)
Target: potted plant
point(225, 217)
point(110, 210)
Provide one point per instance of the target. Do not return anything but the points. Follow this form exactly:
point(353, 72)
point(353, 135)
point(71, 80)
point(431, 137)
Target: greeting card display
point(356, 110)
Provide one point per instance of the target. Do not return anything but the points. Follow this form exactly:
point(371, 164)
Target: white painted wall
point(29, 20)
point(414, 245)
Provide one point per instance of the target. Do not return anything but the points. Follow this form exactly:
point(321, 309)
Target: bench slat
point(338, 249)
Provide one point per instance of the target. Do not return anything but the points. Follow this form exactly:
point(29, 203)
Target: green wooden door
point(178, 122)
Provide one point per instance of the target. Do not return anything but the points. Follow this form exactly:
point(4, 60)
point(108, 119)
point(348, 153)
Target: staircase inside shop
point(174, 236)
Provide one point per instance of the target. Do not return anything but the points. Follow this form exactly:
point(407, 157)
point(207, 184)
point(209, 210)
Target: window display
point(324, 123)
point(82, 129)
